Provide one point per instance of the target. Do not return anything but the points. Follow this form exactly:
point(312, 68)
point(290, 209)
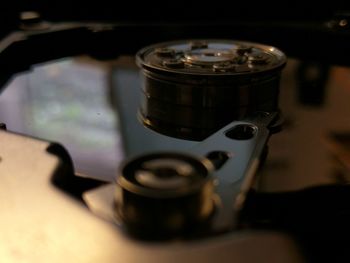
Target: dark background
point(179, 11)
point(300, 28)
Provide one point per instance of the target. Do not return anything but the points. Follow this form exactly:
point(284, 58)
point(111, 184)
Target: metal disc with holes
point(194, 87)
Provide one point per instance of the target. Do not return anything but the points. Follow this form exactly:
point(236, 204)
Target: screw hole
point(241, 132)
point(218, 158)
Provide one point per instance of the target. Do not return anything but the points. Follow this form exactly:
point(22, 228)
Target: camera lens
point(193, 88)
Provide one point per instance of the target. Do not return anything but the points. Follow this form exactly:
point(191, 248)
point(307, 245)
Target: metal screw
point(174, 63)
point(198, 44)
point(259, 59)
point(223, 67)
point(165, 52)
point(343, 22)
point(31, 20)
point(29, 16)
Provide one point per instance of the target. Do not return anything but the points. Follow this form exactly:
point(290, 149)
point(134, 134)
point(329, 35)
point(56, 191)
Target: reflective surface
point(91, 108)
point(314, 101)
point(311, 150)
point(67, 101)
point(190, 91)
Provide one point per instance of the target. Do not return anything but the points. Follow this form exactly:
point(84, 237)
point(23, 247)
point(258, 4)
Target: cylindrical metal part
point(165, 195)
point(193, 88)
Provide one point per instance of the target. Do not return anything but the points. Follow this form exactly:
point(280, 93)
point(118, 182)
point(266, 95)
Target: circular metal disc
point(211, 57)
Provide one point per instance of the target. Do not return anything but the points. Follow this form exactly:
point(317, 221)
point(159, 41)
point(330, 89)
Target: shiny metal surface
point(164, 195)
point(297, 158)
point(39, 223)
point(233, 180)
point(192, 89)
point(247, 57)
point(236, 176)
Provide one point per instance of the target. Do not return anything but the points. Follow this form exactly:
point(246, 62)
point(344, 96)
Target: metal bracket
point(242, 142)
